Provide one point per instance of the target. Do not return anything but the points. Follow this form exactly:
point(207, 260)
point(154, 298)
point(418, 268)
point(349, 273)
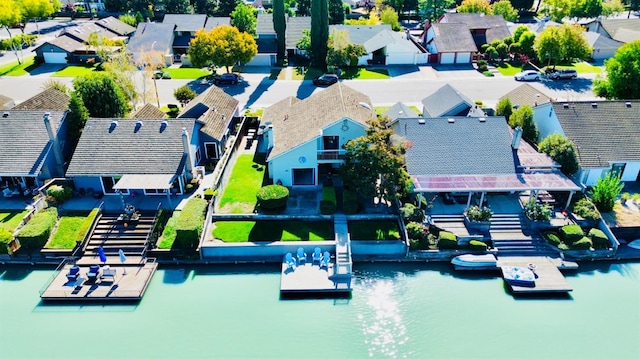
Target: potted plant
point(538, 214)
point(624, 197)
point(476, 219)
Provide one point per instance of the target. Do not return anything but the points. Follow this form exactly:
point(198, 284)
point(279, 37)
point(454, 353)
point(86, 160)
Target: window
point(212, 150)
point(617, 169)
point(303, 177)
point(331, 142)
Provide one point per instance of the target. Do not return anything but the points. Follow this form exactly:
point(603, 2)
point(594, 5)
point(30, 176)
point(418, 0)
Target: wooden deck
point(129, 286)
point(312, 280)
point(549, 280)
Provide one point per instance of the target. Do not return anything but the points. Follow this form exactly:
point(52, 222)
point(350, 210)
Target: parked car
point(227, 79)
point(325, 80)
point(528, 75)
point(563, 74)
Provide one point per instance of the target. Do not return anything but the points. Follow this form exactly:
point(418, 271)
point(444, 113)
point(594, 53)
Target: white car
point(529, 75)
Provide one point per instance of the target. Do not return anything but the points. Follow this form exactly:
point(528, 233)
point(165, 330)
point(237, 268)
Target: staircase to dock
point(343, 246)
point(113, 235)
point(509, 239)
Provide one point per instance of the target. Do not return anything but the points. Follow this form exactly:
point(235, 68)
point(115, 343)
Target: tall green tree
point(336, 12)
point(585, 8)
point(116, 5)
point(563, 43)
point(504, 108)
point(304, 8)
point(612, 7)
point(226, 7)
point(204, 7)
point(374, 164)
point(77, 117)
point(244, 18)
point(561, 150)
point(10, 14)
point(36, 9)
point(177, 6)
point(506, 9)
point(141, 5)
point(432, 9)
point(341, 52)
point(475, 6)
point(280, 26)
point(390, 17)
point(523, 117)
point(184, 94)
point(101, 95)
point(522, 5)
point(223, 46)
point(605, 192)
point(319, 33)
point(622, 73)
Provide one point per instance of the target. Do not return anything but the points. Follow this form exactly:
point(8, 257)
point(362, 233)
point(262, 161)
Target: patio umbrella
point(123, 259)
point(103, 257)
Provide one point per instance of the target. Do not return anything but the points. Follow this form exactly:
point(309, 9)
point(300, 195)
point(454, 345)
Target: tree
point(390, 17)
point(222, 46)
point(305, 42)
point(121, 68)
point(622, 73)
point(36, 9)
point(177, 6)
point(280, 26)
point(304, 8)
point(585, 8)
point(11, 14)
point(128, 19)
point(561, 150)
point(184, 94)
point(504, 8)
point(433, 9)
point(341, 51)
point(319, 33)
point(204, 7)
point(522, 5)
point(523, 117)
point(116, 5)
point(374, 164)
point(475, 6)
point(244, 18)
point(226, 7)
point(564, 43)
point(612, 7)
point(336, 12)
point(77, 117)
point(101, 95)
point(605, 191)
point(141, 5)
point(504, 108)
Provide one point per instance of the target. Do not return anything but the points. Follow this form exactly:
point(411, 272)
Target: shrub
point(209, 193)
point(272, 197)
point(5, 238)
point(582, 243)
point(36, 233)
point(416, 230)
point(327, 207)
point(599, 239)
point(488, 73)
point(482, 65)
point(86, 225)
point(605, 192)
point(586, 209)
point(563, 247)
point(477, 214)
point(447, 240)
point(571, 233)
point(350, 203)
point(59, 194)
point(476, 245)
point(411, 213)
point(552, 238)
point(536, 211)
point(188, 188)
point(190, 222)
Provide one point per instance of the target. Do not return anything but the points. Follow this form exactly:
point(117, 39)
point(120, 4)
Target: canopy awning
point(144, 182)
point(550, 181)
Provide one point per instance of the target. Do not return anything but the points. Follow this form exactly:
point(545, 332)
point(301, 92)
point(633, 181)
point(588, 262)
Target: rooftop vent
point(594, 104)
point(113, 126)
point(451, 120)
point(138, 126)
point(565, 105)
point(628, 104)
point(482, 119)
point(5, 115)
point(163, 125)
point(365, 105)
point(422, 121)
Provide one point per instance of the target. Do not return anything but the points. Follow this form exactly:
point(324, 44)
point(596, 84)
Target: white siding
point(463, 58)
point(401, 58)
point(447, 58)
point(283, 165)
point(431, 46)
point(590, 176)
point(546, 121)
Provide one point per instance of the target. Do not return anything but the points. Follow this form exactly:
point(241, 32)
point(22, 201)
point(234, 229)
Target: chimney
point(187, 151)
point(517, 137)
point(55, 145)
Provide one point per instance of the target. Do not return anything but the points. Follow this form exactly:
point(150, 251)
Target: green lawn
point(508, 70)
point(382, 109)
point(359, 73)
point(15, 69)
point(269, 231)
point(172, 113)
point(70, 230)
point(186, 73)
point(374, 230)
point(73, 71)
point(169, 234)
point(11, 219)
point(582, 67)
point(247, 177)
point(305, 73)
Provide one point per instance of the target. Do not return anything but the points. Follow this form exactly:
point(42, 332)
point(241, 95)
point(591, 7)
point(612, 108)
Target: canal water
point(396, 311)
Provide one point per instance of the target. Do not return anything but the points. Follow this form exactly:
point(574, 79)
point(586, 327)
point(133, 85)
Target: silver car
point(528, 75)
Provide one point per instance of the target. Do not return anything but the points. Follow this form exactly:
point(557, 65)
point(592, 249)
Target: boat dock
point(549, 278)
point(312, 280)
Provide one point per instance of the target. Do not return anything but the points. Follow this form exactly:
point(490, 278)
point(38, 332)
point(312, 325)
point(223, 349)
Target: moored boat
point(475, 261)
point(519, 276)
point(634, 244)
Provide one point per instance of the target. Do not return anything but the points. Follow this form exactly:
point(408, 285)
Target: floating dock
point(549, 278)
point(311, 280)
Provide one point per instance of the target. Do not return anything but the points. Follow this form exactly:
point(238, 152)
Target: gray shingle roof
point(372, 37)
point(217, 110)
point(295, 26)
point(50, 99)
point(453, 38)
point(400, 110)
point(496, 27)
point(608, 131)
point(302, 122)
point(444, 100)
point(83, 32)
point(116, 26)
point(526, 94)
point(149, 111)
point(24, 140)
point(149, 33)
point(264, 25)
point(65, 42)
point(613, 26)
point(186, 22)
point(465, 147)
point(6, 102)
point(213, 22)
point(107, 150)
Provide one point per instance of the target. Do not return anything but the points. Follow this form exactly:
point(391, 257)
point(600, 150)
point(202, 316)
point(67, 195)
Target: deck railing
point(92, 228)
point(153, 226)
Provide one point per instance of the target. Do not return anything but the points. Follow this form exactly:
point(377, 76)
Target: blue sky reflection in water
point(397, 311)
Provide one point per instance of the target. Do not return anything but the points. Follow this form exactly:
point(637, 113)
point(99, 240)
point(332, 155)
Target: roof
point(213, 22)
point(453, 38)
point(25, 140)
point(372, 37)
point(83, 32)
point(445, 99)
point(603, 131)
point(295, 26)
point(400, 110)
point(150, 34)
point(264, 25)
point(116, 26)
point(495, 25)
point(213, 107)
point(50, 99)
point(186, 22)
point(526, 94)
point(466, 146)
point(128, 148)
point(598, 41)
point(626, 35)
point(146, 181)
point(149, 111)
point(303, 120)
point(616, 29)
point(65, 42)
point(5, 102)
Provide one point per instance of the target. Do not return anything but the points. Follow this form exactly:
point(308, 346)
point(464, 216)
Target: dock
point(549, 278)
point(311, 280)
point(128, 283)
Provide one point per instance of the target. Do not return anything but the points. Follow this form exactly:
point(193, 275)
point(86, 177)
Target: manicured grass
point(11, 219)
point(247, 177)
point(507, 69)
point(186, 73)
point(15, 69)
point(172, 113)
point(269, 231)
point(305, 73)
point(382, 109)
point(73, 71)
point(582, 67)
point(374, 230)
point(169, 234)
point(359, 73)
point(69, 231)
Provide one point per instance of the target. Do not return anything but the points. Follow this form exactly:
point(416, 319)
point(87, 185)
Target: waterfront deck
point(549, 280)
point(312, 280)
point(122, 287)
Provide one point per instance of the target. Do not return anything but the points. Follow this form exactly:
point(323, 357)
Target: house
point(603, 47)
point(150, 156)
point(526, 94)
point(116, 26)
point(264, 26)
point(50, 99)
point(59, 50)
point(186, 26)
point(621, 30)
point(474, 155)
point(148, 111)
point(152, 37)
point(400, 110)
point(219, 114)
point(449, 43)
point(267, 41)
point(6, 103)
point(605, 133)
point(33, 148)
point(483, 28)
point(447, 101)
point(304, 138)
point(213, 22)
point(295, 31)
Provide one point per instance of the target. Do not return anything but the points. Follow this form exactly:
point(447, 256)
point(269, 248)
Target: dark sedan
point(325, 80)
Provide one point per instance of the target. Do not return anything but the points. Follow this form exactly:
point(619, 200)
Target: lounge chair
point(94, 273)
point(108, 274)
point(302, 256)
point(316, 257)
point(288, 258)
point(74, 273)
point(7, 192)
point(326, 258)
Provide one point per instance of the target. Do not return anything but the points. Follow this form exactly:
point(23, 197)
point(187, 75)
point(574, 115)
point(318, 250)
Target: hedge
point(477, 245)
point(190, 222)
point(583, 243)
point(447, 240)
point(272, 197)
point(599, 239)
point(5, 238)
point(552, 238)
point(59, 194)
point(571, 233)
point(36, 233)
point(416, 230)
point(349, 202)
point(86, 225)
point(328, 202)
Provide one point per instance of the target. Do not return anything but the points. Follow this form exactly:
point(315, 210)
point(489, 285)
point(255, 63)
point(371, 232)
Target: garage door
point(55, 57)
point(401, 58)
point(463, 58)
point(447, 58)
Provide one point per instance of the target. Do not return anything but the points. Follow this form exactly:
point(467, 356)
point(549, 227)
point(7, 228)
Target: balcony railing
point(331, 155)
